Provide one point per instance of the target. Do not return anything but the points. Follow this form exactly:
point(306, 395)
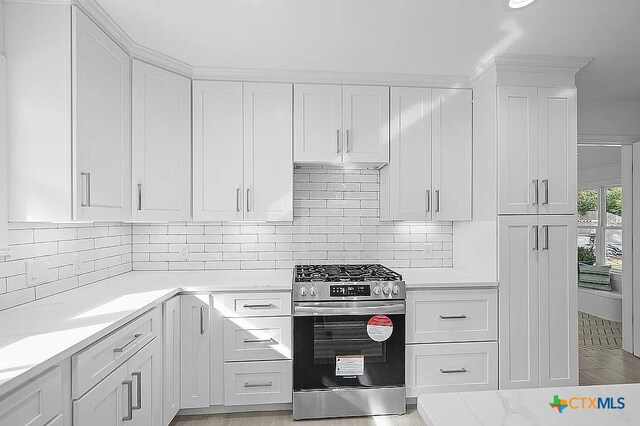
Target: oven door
point(348, 344)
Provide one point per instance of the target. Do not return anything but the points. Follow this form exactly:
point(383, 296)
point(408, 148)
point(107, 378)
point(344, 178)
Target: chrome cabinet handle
point(252, 306)
point(428, 196)
point(535, 237)
point(338, 141)
point(248, 198)
point(138, 376)
point(545, 229)
point(258, 340)
point(437, 201)
point(258, 385)
point(139, 196)
point(348, 141)
point(535, 192)
point(129, 385)
point(238, 199)
point(123, 347)
point(86, 201)
point(201, 319)
point(459, 370)
point(446, 317)
point(545, 182)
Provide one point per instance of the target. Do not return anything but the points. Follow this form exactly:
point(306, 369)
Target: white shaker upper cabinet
point(558, 301)
point(317, 123)
point(365, 118)
point(517, 151)
point(451, 154)
point(101, 123)
point(405, 183)
point(218, 151)
point(268, 155)
point(161, 144)
point(557, 150)
point(518, 268)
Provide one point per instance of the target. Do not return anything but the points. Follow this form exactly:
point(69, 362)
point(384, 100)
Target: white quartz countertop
point(531, 407)
point(37, 335)
point(40, 334)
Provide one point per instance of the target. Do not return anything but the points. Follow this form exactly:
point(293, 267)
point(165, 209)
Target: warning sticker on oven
point(379, 328)
point(350, 365)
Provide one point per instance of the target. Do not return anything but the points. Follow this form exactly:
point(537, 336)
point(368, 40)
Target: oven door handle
point(351, 309)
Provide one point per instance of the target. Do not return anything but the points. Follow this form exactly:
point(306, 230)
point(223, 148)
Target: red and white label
point(379, 328)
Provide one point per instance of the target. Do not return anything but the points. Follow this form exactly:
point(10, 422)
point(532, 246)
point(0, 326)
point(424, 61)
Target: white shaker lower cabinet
point(538, 301)
point(145, 369)
point(195, 353)
point(40, 402)
point(107, 403)
point(161, 144)
point(248, 383)
point(451, 367)
point(171, 359)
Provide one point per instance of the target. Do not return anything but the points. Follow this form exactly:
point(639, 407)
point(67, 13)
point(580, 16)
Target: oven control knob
point(312, 291)
point(386, 290)
point(376, 290)
point(303, 291)
point(396, 289)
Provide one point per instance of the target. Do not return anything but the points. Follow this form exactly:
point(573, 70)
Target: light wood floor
point(277, 418)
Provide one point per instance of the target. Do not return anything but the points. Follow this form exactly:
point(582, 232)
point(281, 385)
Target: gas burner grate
point(345, 273)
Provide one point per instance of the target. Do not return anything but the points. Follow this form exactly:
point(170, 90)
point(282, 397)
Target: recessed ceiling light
point(518, 4)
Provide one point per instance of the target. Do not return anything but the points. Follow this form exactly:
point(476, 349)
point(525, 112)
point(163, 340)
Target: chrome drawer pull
point(445, 317)
point(536, 199)
point(460, 370)
point(202, 320)
point(545, 182)
point(138, 376)
point(258, 385)
point(258, 340)
point(265, 305)
point(122, 348)
point(129, 385)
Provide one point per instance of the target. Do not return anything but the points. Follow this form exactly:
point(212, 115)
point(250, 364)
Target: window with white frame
point(600, 226)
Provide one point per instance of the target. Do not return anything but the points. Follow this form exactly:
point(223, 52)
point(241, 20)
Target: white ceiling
point(392, 36)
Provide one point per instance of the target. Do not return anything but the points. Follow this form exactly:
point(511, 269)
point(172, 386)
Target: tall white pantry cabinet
point(529, 122)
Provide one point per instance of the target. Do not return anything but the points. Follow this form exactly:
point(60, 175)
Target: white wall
point(3, 136)
point(608, 117)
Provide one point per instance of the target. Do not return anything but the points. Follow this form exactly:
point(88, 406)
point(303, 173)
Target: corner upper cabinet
point(242, 151)
point(341, 124)
point(161, 144)
point(429, 175)
point(75, 164)
point(537, 145)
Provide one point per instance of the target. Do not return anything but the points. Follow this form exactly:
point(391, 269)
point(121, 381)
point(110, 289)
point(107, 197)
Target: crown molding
point(611, 140)
point(329, 77)
point(508, 69)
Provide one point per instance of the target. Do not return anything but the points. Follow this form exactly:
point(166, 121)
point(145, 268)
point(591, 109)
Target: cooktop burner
point(344, 273)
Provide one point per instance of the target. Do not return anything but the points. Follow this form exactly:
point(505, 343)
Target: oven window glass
point(319, 340)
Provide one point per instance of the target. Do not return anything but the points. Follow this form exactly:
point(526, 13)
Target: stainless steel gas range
point(348, 341)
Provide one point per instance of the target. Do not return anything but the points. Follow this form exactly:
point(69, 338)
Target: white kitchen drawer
point(36, 404)
point(257, 339)
point(253, 304)
point(451, 367)
point(265, 382)
point(452, 315)
point(98, 360)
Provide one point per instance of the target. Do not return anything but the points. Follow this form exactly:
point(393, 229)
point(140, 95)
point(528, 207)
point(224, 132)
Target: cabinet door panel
point(518, 249)
point(161, 145)
point(171, 360)
point(268, 159)
point(317, 123)
point(557, 150)
point(517, 150)
point(217, 151)
point(194, 356)
point(101, 117)
point(145, 370)
point(365, 112)
point(406, 181)
point(558, 301)
point(452, 154)
point(105, 404)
